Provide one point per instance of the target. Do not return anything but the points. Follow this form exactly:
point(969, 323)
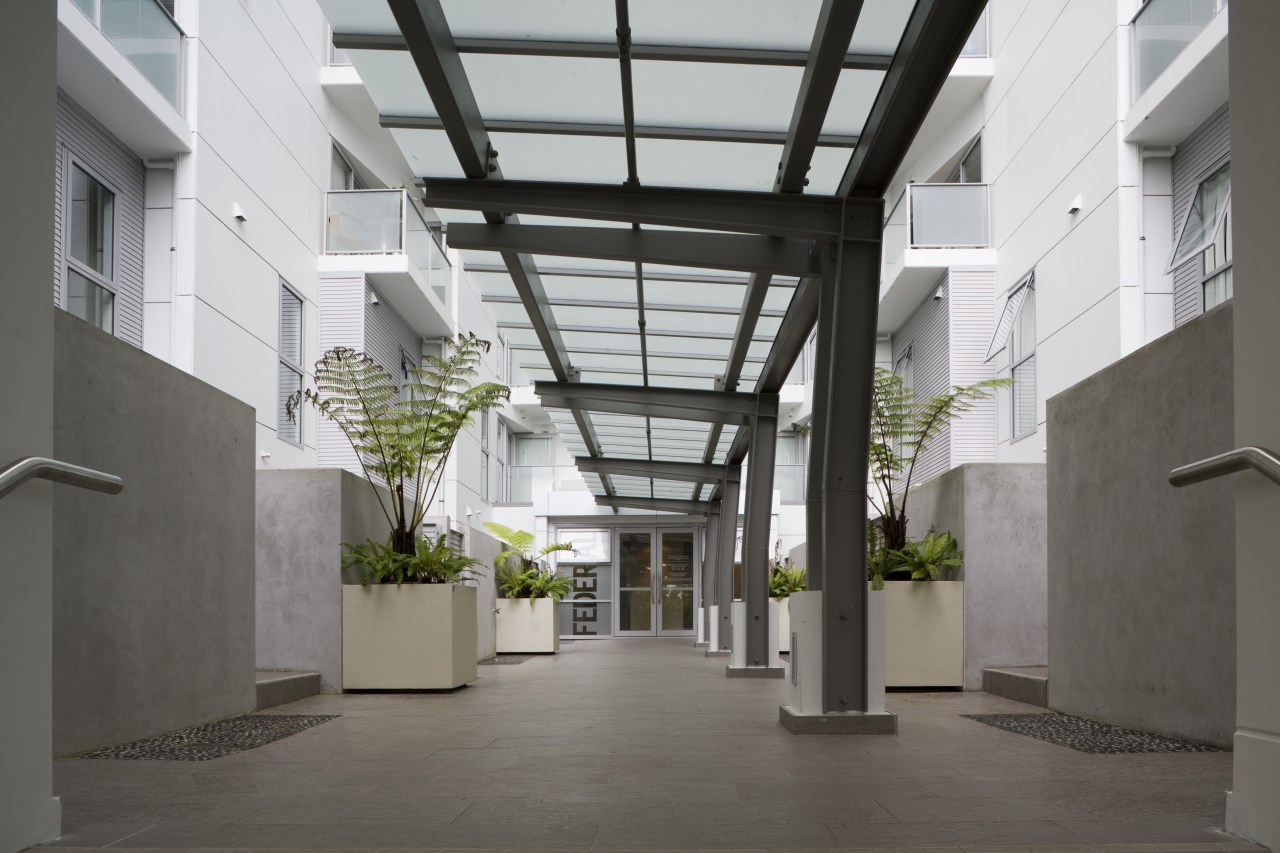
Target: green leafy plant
point(402, 436)
point(901, 427)
point(784, 576)
point(921, 559)
point(528, 576)
point(432, 562)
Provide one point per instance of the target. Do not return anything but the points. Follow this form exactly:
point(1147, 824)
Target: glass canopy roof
point(716, 88)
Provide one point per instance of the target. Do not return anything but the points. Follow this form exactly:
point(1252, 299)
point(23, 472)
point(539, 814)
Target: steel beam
point(710, 561)
point(609, 50)
point(687, 404)
point(619, 304)
point(749, 253)
point(855, 277)
point(725, 553)
point(766, 214)
point(654, 504)
point(652, 333)
point(930, 44)
point(689, 472)
point(580, 272)
point(693, 356)
point(609, 130)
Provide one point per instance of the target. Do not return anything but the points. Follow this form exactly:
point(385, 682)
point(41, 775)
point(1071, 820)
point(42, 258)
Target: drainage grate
point(1087, 735)
point(213, 740)
point(506, 660)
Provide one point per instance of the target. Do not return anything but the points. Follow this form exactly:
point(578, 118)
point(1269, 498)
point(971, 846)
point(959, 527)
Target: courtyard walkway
point(643, 744)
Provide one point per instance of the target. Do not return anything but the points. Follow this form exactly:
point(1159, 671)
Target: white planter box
point(924, 633)
point(408, 637)
point(784, 623)
point(528, 625)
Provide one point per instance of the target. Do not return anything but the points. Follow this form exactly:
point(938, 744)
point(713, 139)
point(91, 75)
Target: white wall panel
point(926, 336)
point(969, 293)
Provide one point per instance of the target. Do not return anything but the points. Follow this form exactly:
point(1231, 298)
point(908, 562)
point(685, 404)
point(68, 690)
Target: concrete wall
point(29, 813)
point(303, 517)
point(1255, 121)
point(153, 588)
point(997, 512)
point(484, 548)
point(1141, 580)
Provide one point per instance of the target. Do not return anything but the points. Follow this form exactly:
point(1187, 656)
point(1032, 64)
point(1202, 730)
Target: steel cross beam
point(609, 50)
point(631, 306)
point(684, 404)
point(656, 504)
point(651, 333)
point(689, 472)
point(579, 272)
point(609, 130)
point(767, 214)
point(694, 356)
point(747, 252)
point(426, 35)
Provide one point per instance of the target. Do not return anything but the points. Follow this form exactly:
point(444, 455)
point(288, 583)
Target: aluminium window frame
point(73, 161)
point(284, 362)
point(1018, 358)
point(1175, 260)
point(485, 454)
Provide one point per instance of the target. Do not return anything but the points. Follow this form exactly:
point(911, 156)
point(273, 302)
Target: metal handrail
point(1258, 458)
point(31, 467)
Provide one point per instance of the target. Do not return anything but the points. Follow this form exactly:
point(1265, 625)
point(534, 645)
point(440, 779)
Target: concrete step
point(280, 687)
point(1029, 684)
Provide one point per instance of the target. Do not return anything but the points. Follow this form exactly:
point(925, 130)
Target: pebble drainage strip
point(1087, 735)
point(506, 660)
point(213, 740)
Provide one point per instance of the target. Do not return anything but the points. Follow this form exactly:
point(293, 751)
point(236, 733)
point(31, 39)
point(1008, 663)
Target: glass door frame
point(655, 534)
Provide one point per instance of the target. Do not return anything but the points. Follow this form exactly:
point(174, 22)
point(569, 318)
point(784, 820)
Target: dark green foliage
point(920, 559)
point(528, 576)
point(432, 562)
point(785, 577)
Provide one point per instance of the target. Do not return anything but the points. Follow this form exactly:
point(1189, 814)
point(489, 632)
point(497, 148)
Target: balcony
point(1178, 54)
point(931, 228)
point(122, 60)
point(146, 35)
point(382, 235)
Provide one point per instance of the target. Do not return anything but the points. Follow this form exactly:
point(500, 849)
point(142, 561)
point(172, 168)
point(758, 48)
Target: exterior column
point(755, 550)
point(710, 559)
point(837, 624)
point(724, 557)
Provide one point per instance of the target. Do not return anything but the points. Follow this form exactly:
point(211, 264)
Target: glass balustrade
point(144, 32)
point(1161, 30)
point(977, 45)
point(385, 222)
point(948, 216)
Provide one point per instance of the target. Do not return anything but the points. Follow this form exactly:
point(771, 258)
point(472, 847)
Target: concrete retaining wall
point(997, 512)
point(303, 517)
point(153, 588)
point(1142, 575)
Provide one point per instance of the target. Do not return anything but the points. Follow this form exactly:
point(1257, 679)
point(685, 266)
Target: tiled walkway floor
point(642, 744)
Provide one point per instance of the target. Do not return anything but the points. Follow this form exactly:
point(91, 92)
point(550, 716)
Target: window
point(408, 364)
point(90, 272)
point(1022, 360)
point(1206, 217)
point(484, 455)
point(290, 428)
point(502, 453)
point(529, 461)
point(789, 467)
point(904, 367)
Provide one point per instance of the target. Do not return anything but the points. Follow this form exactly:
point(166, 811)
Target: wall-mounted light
point(238, 212)
point(1076, 204)
point(373, 298)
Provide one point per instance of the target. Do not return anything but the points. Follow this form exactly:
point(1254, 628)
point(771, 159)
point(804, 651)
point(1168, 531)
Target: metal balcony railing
point(937, 216)
point(1161, 30)
point(147, 35)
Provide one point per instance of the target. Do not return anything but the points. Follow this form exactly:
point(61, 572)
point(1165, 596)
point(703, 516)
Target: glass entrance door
point(657, 577)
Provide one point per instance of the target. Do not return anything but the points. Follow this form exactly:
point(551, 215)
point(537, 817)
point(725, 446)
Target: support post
point(847, 302)
point(724, 561)
point(710, 559)
point(755, 550)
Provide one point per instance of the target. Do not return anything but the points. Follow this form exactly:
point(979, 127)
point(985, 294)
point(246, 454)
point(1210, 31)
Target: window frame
point(1176, 260)
point(801, 445)
point(1020, 355)
point(297, 368)
point(485, 454)
point(71, 263)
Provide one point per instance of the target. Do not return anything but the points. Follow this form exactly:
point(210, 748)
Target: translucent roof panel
point(532, 88)
point(566, 20)
point(725, 23)
point(714, 95)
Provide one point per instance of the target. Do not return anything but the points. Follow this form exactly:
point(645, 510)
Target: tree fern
point(403, 444)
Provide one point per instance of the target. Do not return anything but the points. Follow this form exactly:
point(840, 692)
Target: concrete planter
point(528, 625)
point(784, 623)
point(924, 633)
point(408, 637)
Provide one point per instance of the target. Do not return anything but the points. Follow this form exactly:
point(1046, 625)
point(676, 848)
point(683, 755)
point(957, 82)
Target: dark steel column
point(755, 547)
point(724, 555)
point(854, 275)
point(710, 560)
